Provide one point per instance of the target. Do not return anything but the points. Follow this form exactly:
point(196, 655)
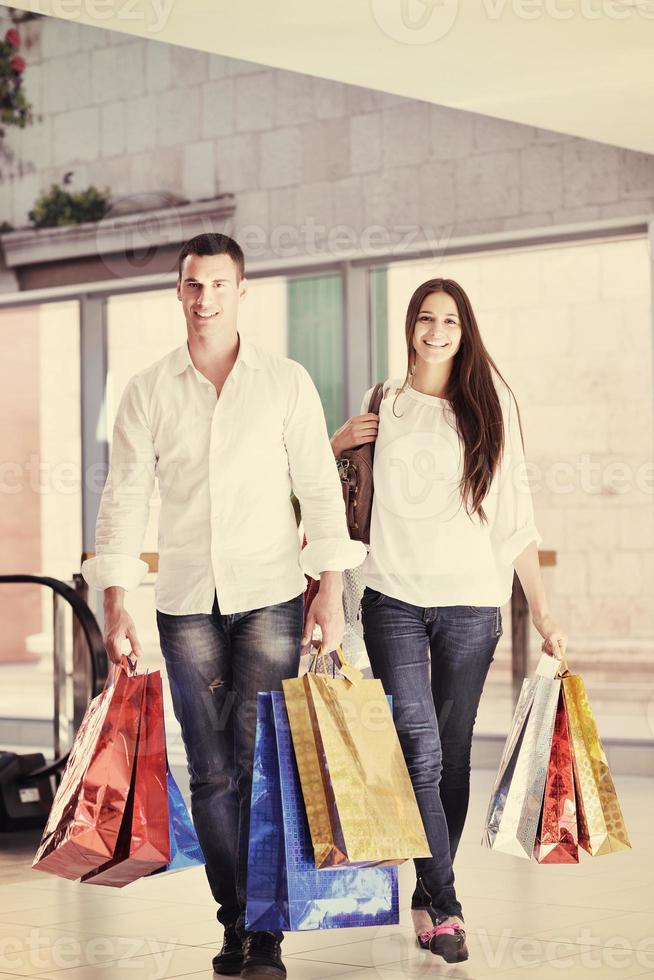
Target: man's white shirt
point(226, 467)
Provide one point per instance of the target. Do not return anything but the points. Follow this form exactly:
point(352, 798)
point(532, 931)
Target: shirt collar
point(247, 352)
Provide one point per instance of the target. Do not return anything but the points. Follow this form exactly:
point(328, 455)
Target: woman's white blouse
point(424, 548)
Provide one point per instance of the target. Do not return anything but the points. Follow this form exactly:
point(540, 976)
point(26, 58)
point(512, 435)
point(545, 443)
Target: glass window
point(40, 483)
point(379, 323)
point(315, 337)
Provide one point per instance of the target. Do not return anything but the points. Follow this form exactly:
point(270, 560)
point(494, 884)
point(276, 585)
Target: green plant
point(61, 207)
point(15, 110)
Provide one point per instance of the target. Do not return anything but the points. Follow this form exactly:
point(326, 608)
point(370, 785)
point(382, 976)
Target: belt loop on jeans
point(497, 621)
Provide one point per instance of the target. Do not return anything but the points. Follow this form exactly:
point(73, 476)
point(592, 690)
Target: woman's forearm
point(527, 566)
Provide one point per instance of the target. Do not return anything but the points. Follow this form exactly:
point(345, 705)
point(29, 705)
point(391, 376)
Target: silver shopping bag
point(517, 798)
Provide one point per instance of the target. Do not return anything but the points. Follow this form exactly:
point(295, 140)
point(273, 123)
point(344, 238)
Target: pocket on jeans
point(484, 612)
point(371, 598)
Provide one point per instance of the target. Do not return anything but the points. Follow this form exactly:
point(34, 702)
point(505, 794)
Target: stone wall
point(140, 115)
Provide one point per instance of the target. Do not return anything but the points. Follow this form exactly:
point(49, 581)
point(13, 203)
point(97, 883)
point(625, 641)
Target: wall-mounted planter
point(136, 243)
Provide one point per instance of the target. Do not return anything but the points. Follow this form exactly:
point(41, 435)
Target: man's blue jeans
point(434, 662)
point(216, 665)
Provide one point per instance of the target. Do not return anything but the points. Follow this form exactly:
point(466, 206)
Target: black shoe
point(448, 941)
point(229, 960)
point(262, 958)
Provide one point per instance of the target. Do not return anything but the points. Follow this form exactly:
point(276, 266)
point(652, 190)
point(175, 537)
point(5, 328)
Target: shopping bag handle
point(317, 664)
point(345, 668)
point(563, 658)
point(552, 666)
point(127, 665)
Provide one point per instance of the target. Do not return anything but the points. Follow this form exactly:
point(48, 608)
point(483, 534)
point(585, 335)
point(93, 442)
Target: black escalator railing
point(93, 668)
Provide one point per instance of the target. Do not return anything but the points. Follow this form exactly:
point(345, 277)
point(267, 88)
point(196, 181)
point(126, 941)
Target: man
point(229, 431)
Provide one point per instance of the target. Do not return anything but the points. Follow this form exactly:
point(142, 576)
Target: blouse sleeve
point(514, 526)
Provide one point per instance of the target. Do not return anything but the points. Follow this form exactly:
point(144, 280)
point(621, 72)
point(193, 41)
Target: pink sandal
point(446, 939)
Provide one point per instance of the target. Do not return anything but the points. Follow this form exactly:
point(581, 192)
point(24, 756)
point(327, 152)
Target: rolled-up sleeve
point(514, 526)
point(315, 482)
point(125, 503)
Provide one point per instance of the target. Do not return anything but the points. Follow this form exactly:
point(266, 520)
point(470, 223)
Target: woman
point(452, 517)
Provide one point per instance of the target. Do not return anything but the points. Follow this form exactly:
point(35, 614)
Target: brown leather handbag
point(355, 470)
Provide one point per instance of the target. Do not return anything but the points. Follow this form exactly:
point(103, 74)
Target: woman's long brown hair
point(471, 392)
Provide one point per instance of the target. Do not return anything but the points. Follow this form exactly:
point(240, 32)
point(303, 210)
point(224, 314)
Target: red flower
point(13, 37)
point(17, 63)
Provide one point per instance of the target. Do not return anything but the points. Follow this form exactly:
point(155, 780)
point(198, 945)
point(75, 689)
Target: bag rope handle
point(338, 658)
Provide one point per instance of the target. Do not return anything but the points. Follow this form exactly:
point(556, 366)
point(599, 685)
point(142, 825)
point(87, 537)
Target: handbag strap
point(374, 405)
point(376, 397)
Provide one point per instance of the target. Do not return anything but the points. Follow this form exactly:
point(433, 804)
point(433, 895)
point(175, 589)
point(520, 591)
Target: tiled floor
point(594, 920)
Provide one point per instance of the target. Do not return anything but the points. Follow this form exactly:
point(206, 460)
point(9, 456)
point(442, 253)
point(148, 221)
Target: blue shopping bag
point(184, 845)
point(284, 889)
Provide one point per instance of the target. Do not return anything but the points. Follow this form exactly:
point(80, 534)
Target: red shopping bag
point(143, 842)
point(556, 840)
point(87, 812)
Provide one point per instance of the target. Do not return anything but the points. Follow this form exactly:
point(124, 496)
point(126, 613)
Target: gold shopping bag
point(360, 803)
point(601, 825)
point(516, 801)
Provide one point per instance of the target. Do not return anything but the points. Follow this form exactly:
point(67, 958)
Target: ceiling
point(583, 67)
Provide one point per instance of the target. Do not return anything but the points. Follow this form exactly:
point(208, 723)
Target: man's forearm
point(331, 582)
point(326, 611)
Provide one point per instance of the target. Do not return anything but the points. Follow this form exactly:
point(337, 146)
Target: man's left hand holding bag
point(119, 629)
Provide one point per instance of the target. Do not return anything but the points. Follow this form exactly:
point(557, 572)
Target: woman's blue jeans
point(434, 662)
point(216, 665)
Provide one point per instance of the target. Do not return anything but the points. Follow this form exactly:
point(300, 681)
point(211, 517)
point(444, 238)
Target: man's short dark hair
point(213, 243)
